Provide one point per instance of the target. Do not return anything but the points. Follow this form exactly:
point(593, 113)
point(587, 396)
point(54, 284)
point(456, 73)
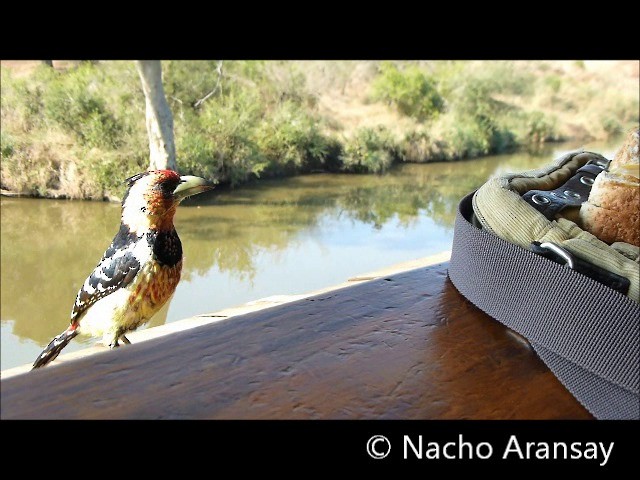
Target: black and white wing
point(117, 269)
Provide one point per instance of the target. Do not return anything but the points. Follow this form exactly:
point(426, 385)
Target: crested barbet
point(141, 268)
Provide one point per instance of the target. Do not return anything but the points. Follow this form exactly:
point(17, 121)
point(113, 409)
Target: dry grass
point(584, 94)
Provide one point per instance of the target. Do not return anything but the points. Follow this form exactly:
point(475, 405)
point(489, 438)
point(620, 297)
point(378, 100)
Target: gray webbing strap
point(587, 333)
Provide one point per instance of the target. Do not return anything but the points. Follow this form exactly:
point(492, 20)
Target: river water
point(279, 237)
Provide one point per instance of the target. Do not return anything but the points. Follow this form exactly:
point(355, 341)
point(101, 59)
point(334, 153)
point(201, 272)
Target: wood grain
point(404, 347)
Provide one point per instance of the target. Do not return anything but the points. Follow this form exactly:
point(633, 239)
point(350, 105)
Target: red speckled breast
point(157, 284)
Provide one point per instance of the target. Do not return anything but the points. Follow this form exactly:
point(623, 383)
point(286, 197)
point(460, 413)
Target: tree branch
point(215, 89)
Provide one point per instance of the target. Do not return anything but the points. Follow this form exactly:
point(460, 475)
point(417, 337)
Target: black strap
point(570, 194)
point(587, 333)
point(599, 274)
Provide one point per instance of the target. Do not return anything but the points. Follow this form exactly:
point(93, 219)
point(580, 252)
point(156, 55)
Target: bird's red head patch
point(149, 202)
point(155, 177)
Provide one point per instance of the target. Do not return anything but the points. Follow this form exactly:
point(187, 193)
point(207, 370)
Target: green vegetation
point(77, 132)
point(411, 90)
point(369, 150)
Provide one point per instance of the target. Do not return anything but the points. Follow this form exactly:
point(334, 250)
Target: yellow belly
point(128, 308)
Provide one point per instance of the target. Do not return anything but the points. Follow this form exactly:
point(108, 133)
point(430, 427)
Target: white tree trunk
point(159, 119)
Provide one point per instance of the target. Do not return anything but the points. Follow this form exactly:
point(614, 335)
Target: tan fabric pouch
point(499, 208)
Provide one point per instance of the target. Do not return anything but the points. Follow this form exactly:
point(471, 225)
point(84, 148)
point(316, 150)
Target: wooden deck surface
point(407, 346)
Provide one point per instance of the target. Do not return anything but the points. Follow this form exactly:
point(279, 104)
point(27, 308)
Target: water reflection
point(278, 237)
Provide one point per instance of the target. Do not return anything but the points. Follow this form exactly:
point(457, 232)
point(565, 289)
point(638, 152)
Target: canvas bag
point(572, 296)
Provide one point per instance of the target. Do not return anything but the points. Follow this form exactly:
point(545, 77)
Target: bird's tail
point(55, 347)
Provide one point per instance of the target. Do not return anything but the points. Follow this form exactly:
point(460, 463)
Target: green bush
point(186, 82)
point(476, 92)
point(291, 142)
point(110, 169)
point(7, 144)
point(218, 143)
point(501, 140)
point(420, 147)
point(476, 100)
point(482, 122)
point(467, 140)
point(21, 102)
point(540, 128)
point(74, 101)
point(553, 82)
point(413, 92)
point(612, 126)
point(369, 151)
point(253, 126)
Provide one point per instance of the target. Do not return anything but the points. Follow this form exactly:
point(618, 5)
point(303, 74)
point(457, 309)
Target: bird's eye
point(167, 187)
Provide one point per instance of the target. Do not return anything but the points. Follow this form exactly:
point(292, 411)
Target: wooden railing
point(404, 346)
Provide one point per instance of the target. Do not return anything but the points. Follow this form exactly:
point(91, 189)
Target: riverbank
point(77, 130)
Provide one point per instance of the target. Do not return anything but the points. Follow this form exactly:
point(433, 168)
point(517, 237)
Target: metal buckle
point(561, 252)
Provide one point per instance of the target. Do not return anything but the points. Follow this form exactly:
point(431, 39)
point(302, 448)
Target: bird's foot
point(116, 342)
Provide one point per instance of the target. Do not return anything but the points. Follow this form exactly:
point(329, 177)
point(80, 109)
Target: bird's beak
point(190, 185)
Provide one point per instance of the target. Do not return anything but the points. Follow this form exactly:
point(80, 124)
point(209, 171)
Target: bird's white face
point(149, 201)
point(152, 198)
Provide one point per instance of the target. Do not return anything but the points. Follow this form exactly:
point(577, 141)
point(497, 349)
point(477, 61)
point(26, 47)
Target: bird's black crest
point(130, 181)
point(134, 178)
